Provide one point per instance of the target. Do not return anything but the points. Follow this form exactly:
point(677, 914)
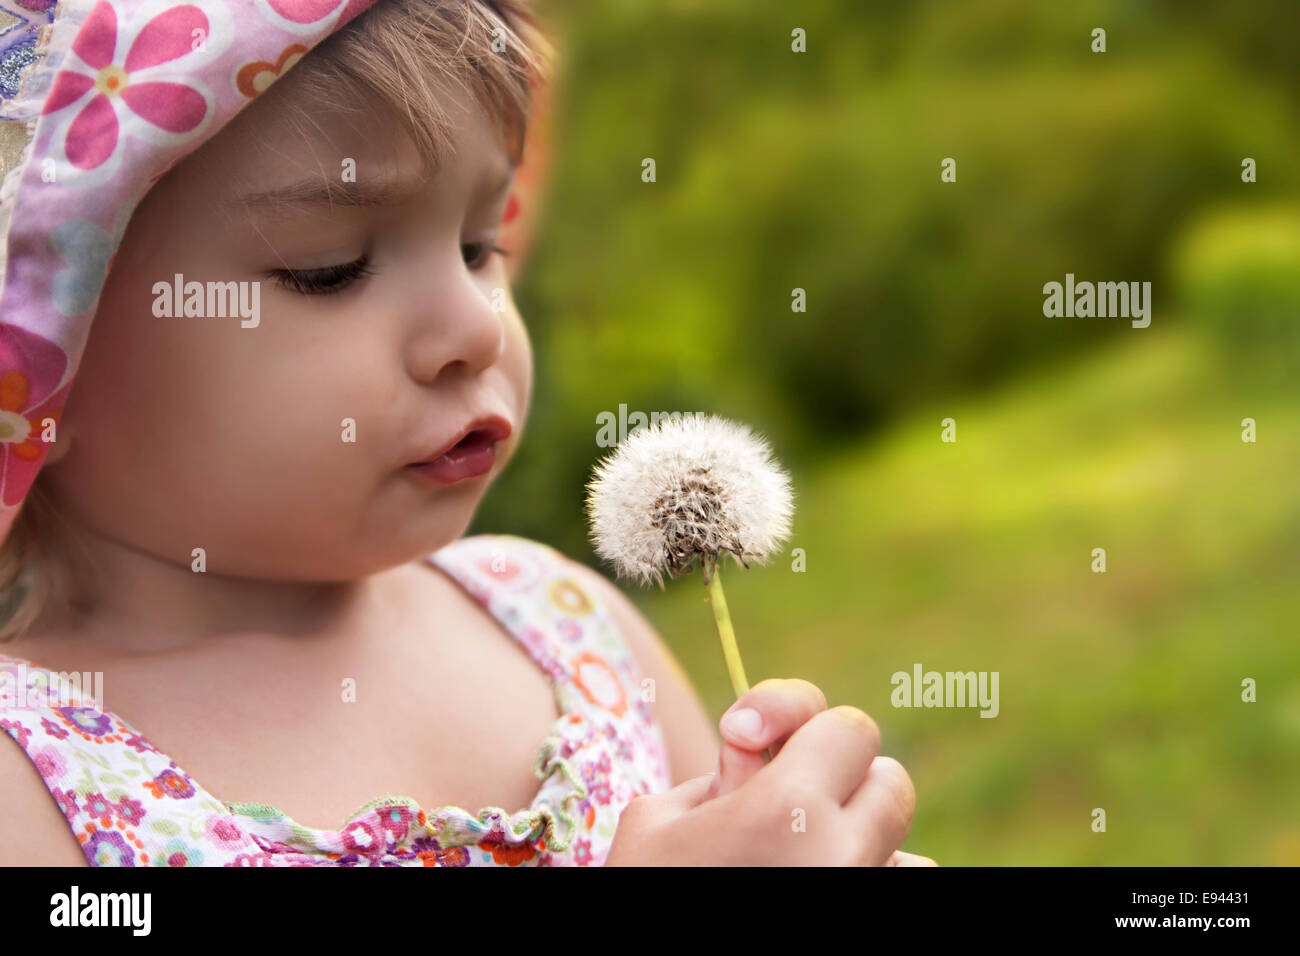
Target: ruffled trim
point(455, 826)
point(370, 832)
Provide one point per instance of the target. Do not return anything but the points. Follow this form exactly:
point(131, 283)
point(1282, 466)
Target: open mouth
point(471, 457)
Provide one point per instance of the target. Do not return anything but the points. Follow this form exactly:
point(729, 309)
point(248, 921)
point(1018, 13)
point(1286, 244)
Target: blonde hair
point(406, 54)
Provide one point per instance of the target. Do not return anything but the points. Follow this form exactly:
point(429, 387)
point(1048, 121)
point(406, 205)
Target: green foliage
point(1238, 271)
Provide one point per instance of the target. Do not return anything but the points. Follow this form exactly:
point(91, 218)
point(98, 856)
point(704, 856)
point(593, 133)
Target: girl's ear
point(529, 185)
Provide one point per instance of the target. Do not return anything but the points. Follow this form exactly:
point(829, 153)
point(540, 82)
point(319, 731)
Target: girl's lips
point(471, 457)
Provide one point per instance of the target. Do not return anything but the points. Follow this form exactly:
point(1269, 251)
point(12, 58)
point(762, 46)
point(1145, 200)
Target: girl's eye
point(322, 281)
point(477, 254)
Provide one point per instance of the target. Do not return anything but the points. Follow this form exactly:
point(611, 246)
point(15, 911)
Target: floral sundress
point(129, 804)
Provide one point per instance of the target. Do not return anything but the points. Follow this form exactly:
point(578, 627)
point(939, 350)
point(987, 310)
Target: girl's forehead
point(284, 136)
point(281, 165)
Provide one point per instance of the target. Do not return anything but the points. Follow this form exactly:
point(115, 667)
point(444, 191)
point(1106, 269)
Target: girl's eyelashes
point(481, 253)
point(333, 279)
point(322, 281)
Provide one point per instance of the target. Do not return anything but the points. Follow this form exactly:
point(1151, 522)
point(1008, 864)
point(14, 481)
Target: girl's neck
point(141, 603)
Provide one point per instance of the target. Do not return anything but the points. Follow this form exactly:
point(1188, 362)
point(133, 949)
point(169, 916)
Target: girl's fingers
point(828, 757)
point(778, 708)
point(882, 809)
point(685, 796)
point(735, 766)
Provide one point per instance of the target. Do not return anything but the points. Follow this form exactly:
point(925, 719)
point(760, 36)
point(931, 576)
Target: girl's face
point(187, 432)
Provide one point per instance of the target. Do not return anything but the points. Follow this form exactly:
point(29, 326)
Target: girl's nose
point(455, 324)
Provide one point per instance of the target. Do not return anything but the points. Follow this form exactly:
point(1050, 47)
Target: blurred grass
point(1119, 690)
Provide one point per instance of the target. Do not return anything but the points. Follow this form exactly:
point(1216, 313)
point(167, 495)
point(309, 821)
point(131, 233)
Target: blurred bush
point(820, 171)
point(1238, 273)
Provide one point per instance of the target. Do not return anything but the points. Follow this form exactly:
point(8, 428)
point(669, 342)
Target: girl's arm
point(691, 737)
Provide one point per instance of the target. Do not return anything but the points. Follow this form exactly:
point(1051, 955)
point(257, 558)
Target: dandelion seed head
point(681, 489)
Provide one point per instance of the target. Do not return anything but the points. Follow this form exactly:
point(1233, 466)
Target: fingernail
point(746, 723)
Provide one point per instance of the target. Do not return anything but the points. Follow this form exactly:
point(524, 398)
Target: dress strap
point(530, 588)
point(611, 732)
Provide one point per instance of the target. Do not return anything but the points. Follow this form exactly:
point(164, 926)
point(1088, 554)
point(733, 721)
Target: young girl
point(304, 371)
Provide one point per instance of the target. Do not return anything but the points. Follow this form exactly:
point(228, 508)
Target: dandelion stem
point(723, 618)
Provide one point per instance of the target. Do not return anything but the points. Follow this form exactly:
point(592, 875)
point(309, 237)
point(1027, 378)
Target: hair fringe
point(409, 54)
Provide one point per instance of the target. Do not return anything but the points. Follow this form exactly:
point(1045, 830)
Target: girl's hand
point(825, 799)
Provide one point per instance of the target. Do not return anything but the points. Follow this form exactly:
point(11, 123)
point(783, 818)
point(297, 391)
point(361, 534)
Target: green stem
point(723, 618)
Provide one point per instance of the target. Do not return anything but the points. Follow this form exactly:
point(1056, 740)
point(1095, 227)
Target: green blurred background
point(821, 171)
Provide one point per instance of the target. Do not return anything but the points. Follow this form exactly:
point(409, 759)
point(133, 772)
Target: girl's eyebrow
point(307, 193)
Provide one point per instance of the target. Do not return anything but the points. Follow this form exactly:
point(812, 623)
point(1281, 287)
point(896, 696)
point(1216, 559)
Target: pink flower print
point(252, 859)
point(53, 729)
point(113, 95)
point(49, 762)
point(97, 805)
point(23, 734)
point(396, 822)
point(308, 12)
point(499, 566)
point(582, 852)
point(623, 749)
point(67, 801)
point(139, 744)
point(359, 837)
point(130, 811)
point(222, 830)
point(504, 570)
point(601, 792)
